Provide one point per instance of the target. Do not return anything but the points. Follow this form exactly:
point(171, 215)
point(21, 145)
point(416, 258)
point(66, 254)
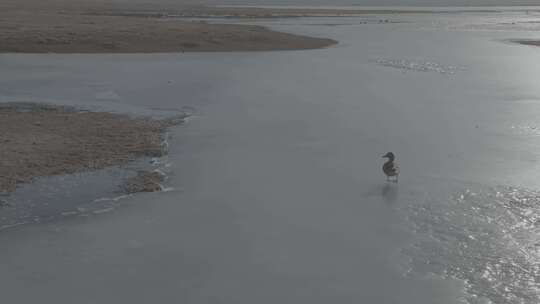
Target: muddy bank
point(31, 27)
point(144, 181)
point(42, 140)
point(528, 42)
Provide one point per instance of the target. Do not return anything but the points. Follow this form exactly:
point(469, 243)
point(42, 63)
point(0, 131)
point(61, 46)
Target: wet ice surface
point(279, 195)
point(50, 199)
point(486, 236)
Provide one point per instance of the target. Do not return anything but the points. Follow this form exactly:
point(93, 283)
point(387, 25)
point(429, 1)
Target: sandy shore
point(39, 140)
point(29, 26)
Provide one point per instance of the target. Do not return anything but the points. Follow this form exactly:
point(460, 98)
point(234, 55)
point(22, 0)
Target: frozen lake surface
point(278, 193)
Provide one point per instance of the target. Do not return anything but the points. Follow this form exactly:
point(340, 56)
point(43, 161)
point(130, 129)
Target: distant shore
point(30, 26)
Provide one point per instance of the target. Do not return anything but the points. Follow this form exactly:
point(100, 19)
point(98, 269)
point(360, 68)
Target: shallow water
point(278, 191)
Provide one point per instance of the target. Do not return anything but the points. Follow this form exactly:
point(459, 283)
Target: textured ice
point(419, 66)
point(107, 95)
point(526, 129)
point(488, 237)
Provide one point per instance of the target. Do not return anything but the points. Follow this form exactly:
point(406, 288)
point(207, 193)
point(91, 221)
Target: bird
point(390, 168)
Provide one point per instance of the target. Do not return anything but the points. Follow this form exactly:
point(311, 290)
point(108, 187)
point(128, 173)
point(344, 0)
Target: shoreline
point(129, 28)
point(40, 140)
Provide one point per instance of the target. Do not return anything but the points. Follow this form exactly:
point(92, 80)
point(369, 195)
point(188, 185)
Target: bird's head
point(389, 155)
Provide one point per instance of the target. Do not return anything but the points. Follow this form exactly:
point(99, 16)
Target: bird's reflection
point(389, 193)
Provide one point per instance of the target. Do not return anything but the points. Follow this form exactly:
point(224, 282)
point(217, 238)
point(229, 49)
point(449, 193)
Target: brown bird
point(390, 168)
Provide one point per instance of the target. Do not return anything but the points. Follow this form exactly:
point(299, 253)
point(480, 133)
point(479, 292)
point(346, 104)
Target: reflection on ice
point(389, 193)
point(490, 238)
point(526, 129)
point(512, 25)
point(419, 66)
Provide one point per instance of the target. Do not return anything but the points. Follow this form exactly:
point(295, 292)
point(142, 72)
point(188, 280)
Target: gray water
point(278, 194)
